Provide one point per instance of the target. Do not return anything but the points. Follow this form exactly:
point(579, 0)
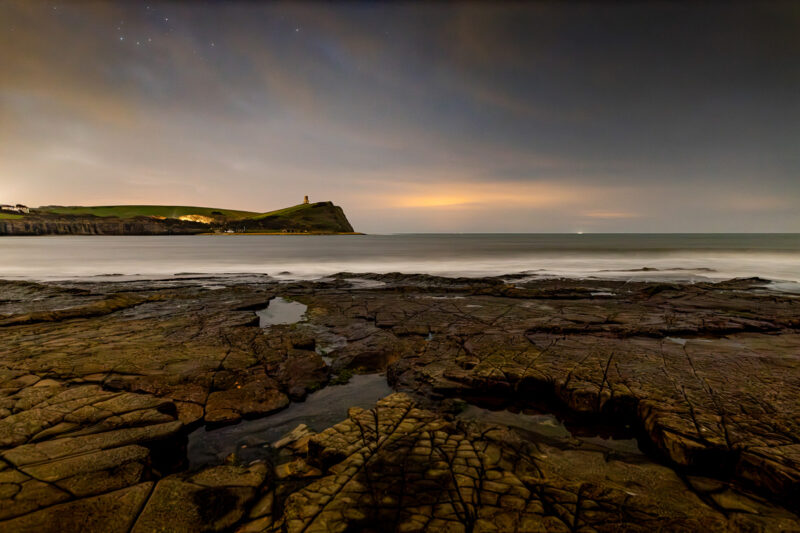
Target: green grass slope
point(286, 211)
point(130, 211)
point(321, 217)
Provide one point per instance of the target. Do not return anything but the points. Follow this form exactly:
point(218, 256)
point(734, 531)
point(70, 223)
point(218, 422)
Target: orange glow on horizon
point(610, 214)
point(434, 201)
point(484, 195)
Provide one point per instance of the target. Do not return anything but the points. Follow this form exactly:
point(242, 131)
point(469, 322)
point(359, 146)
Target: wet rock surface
point(101, 383)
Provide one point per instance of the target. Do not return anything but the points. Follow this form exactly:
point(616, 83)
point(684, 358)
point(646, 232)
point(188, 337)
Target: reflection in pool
point(549, 427)
point(281, 311)
point(321, 410)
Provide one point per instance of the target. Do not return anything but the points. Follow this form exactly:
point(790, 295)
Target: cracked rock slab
point(398, 467)
point(99, 383)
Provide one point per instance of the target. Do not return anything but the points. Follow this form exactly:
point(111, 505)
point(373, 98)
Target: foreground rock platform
point(100, 384)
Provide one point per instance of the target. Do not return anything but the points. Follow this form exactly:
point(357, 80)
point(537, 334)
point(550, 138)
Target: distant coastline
point(319, 218)
point(285, 234)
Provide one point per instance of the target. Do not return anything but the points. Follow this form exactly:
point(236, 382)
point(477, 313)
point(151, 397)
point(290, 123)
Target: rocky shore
point(519, 404)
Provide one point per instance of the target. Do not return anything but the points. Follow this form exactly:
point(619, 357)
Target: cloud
point(447, 191)
point(414, 117)
point(754, 202)
point(610, 214)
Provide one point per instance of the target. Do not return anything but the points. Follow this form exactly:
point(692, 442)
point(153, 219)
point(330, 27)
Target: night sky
point(466, 117)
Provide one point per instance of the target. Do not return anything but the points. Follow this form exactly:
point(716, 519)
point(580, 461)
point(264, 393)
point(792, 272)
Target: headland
point(318, 218)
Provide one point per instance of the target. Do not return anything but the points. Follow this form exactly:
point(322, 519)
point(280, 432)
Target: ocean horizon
point(679, 257)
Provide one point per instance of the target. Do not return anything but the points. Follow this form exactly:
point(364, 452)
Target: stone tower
point(305, 199)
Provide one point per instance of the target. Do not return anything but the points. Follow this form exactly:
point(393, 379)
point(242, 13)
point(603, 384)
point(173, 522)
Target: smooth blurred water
point(688, 257)
point(319, 411)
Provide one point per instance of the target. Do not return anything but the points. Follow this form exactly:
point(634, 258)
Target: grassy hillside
point(319, 217)
point(283, 212)
point(130, 211)
point(10, 216)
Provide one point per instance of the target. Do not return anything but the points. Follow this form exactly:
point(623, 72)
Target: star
point(297, 29)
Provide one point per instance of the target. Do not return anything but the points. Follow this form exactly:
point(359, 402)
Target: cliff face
point(90, 225)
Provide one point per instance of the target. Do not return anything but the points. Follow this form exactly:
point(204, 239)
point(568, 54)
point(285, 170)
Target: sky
point(438, 117)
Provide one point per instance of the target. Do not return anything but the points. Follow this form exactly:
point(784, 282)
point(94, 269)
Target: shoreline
point(283, 233)
point(206, 234)
point(787, 288)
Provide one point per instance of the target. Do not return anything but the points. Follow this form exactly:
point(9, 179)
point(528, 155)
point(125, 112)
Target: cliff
point(92, 225)
point(320, 217)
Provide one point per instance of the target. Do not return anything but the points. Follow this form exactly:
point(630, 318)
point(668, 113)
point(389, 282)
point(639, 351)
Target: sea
point(669, 257)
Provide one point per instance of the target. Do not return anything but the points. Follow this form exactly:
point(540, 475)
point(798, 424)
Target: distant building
point(19, 208)
point(305, 199)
